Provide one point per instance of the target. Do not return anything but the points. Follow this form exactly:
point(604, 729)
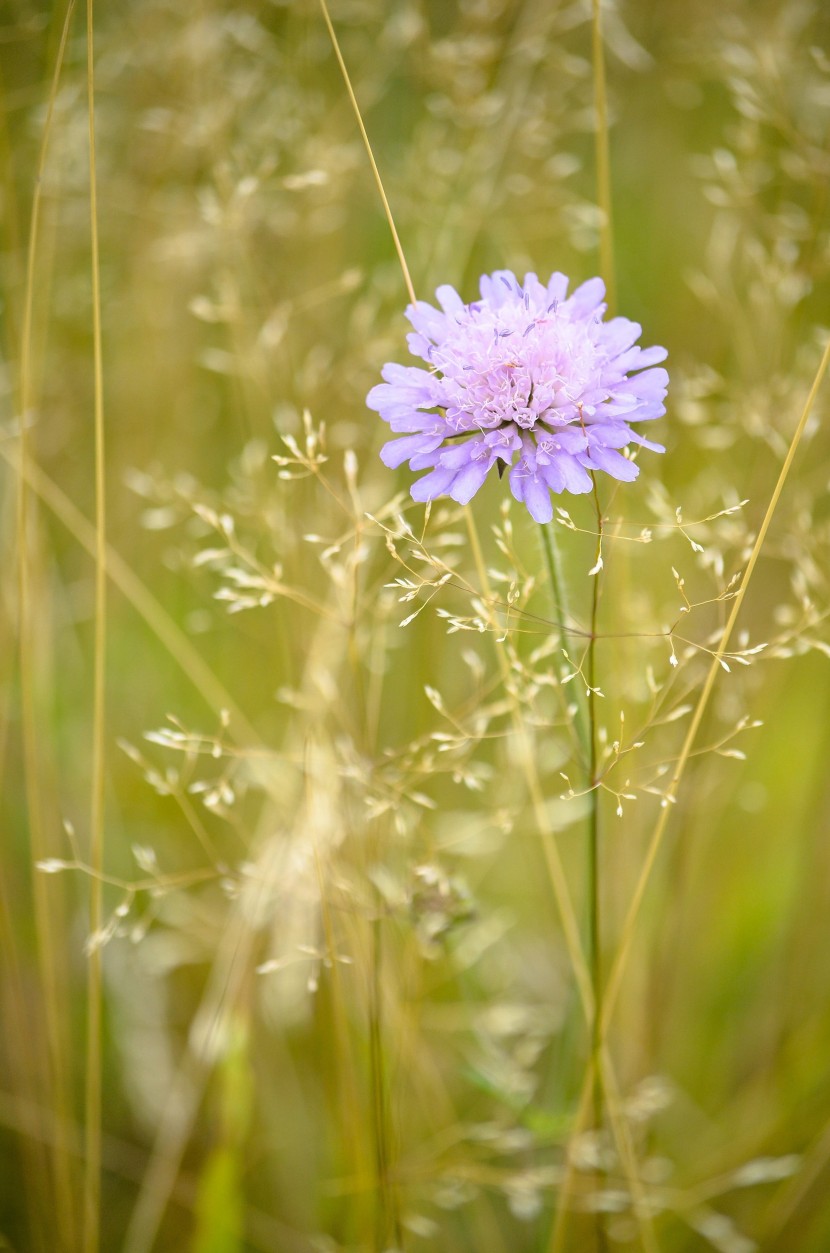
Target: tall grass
point(451, 888)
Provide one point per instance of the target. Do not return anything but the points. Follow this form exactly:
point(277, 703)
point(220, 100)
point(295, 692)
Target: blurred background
point(338, 1012)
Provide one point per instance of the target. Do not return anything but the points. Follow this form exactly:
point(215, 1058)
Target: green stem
point(594, 952)
point(594, 903)
point(93, 1095)
point(585, 721)
point(561, 616)
point(387, 1218)
point(557, 581)
point(606, 233)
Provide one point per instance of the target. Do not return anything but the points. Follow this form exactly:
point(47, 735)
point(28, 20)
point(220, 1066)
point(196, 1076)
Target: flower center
point(509, 365)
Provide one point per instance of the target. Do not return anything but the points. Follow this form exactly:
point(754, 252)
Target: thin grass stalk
point(628, 1156)
point(482, 171)
point(788, 1202)
point(587, 737)
point(376, 172)
point(347, 1090)
point(556, 869)
point(387, 1216)
point(136, 593)
point(625, 1147)
point(26, 1072)
point(630, 923)
point(594, 898)
point(562, 616)
point(602, 156)
point(93, 1083)
point(47, 950)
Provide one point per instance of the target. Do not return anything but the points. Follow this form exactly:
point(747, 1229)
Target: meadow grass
point(381, 876)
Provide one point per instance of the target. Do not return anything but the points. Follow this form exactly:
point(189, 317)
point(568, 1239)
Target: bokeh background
point(338, 1012)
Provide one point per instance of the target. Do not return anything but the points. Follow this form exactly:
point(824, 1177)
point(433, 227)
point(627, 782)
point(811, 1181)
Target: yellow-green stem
point(387, 1217)
point(48, 964)
point(376, 172)
point(594, 900)
point(562, 616)
point(602, 156)
point(92, 1103)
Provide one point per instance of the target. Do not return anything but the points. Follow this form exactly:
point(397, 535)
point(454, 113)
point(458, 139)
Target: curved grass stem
point(375, 171)
point(602, 156)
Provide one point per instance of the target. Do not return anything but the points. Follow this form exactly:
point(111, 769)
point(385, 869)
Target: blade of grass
point(137, 594)
point(603, 161)
point(378, 181)
point(26, 1067)
point(594, 944)
point(93, 1078)
point(48, 964)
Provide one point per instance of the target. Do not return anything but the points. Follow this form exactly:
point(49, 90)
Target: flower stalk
point(594, 897)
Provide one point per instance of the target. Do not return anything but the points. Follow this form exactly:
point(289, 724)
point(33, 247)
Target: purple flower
point(523, 377)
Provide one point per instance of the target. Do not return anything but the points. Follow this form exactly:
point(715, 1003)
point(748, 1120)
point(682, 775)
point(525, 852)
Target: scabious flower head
point(524, 377)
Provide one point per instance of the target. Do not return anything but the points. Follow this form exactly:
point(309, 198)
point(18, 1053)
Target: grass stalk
point(606, 241)
point(594, 898)
point(349, 1105)
point(93, 1078)
point(375, 171)
point(629, 926)
point(137, 594)
point(27, 1067)
point(556, 869)
point(45, 928)
point(387, 1217)
point(562, 616)
point(602, 156)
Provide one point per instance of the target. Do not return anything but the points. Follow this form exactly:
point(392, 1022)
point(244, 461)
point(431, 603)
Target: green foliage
point(345, 737)
point(220, 1205)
